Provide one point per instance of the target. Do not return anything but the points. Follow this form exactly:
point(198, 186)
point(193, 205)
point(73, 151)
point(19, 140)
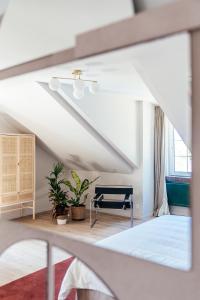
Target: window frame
point(172, 156)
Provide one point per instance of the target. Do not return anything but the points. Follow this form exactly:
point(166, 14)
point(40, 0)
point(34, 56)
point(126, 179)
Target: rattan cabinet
point(17, 173)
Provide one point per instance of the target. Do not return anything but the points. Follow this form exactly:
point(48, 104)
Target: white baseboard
point(180, 211)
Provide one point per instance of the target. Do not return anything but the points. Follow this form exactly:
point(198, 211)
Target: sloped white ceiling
point(165, 68)
point(60, 130)
point(34, 28)
point(158, 71)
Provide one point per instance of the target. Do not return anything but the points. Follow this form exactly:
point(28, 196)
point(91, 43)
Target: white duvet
point(165, 240)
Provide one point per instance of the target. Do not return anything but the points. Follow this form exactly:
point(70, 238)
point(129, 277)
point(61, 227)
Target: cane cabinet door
point(8, 169)
point(26, 167)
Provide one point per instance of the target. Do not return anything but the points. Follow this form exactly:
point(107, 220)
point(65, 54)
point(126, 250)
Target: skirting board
point(180, 211)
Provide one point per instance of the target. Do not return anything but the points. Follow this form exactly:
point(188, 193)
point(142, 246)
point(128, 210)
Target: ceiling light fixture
point(79, 84)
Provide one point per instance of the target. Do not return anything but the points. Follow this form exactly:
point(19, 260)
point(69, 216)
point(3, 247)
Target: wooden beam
point(39, 63)
point(146, 26)
point(144, 280)
point(149, 25)
point(195, 43)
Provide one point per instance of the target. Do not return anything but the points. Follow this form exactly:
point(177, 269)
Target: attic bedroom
point(96, 149)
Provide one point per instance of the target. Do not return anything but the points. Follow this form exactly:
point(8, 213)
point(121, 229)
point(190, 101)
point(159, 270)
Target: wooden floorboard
point(106, 226)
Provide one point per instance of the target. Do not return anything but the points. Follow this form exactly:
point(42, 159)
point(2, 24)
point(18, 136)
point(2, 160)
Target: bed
point(165, 240)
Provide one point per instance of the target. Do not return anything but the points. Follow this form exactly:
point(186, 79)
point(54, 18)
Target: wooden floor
point(107, 225)
point(29, 256)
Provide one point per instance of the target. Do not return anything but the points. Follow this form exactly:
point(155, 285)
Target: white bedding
point(165, 240)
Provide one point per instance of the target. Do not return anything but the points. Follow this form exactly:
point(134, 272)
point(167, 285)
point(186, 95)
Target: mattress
point(165, 240)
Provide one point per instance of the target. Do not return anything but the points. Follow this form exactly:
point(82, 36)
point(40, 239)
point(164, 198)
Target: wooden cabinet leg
point(33, 210)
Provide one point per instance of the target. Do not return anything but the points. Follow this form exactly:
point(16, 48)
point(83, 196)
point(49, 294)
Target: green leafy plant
point(79, 189)
point(57, 195)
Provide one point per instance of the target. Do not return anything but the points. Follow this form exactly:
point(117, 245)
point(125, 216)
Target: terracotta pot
point(78, 213)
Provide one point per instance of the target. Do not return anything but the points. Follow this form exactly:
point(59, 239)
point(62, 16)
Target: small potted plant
point(57, 195)
point(78, 200)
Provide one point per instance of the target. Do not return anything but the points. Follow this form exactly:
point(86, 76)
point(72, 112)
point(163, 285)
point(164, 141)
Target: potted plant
point(78, 200)
point(57, 195)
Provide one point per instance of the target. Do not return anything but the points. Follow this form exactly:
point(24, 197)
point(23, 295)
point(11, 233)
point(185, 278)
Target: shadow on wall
point(96, 166)
point(75, 162)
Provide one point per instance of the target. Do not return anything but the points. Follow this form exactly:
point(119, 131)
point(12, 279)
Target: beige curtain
point(160, 195)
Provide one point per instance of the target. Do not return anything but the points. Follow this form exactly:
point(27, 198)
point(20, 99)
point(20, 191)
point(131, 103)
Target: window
point(180, 156)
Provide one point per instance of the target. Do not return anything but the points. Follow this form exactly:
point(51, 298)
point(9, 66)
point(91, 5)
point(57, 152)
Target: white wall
point(116, 116)
point(3, 6)
point(44, 162)
point(142, 178)
point(148, 159)
point(133, 125)
point(130, 125)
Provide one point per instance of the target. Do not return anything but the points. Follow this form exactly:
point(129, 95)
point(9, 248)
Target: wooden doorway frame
point(137, 279)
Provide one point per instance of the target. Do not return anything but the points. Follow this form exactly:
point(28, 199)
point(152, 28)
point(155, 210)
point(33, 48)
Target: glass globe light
point(78, 94)
point(93, 87)
point(54, 84)
point(78, 84)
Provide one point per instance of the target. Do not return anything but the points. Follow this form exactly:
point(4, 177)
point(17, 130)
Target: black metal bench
point(99, 201)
